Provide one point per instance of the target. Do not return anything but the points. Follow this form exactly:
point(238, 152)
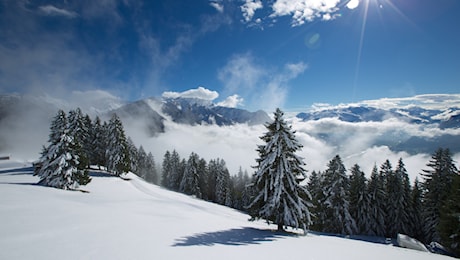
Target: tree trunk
point(280, 227)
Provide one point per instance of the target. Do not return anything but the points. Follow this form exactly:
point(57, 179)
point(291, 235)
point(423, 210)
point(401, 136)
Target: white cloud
point(249, 8)
point(200, 93)
point(54, 11)
point(231, 101)
point(305, 10)
point(352, 4)
point(218, 6)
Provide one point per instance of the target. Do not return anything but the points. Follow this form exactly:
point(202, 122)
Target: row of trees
point(76, 142)
point(386, 204)
point(335, 202)
point(210, 181)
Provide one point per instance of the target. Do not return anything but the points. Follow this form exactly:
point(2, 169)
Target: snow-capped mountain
point(420, 124)
point(446, 118)
point(188, 111)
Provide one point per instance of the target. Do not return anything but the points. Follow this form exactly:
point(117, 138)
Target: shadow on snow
point(232, 237)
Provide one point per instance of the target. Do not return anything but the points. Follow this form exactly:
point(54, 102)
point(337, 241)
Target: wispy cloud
point(54, 11)
point(266, 87)
point(218, 6)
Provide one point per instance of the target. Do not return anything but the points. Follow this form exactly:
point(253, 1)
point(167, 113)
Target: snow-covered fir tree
point(315, 188)
point(359, 200)
point(280, 198)
point(222, 183)
point(190, 180)
point(166, 170)
point(117, 154)
point(98, 143)
point(415, 213)
point(336, 199)
point(437, 184)
point(134, 157)
point(203, 178)
point(396, 220)
point(449, 220)
point(149, 169)
point(60, 165)
point(79, 131)
point(377, 196)
point(176, 171)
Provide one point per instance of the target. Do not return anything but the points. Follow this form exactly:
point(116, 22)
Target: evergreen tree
point(415, 213)
point(359, 200)
point(279, 195)
point(203, 178)
point(79, 133)
point(315, 188)
point(449, 220)
point(336, 199)
point(117, 152)
point(98, 143)
point(377, 196)
point(222, 183)
point(166, 170)
point(437, 184)
point(141, 163)
point(177, 171)
point(397, 199)
point(133, 157)
point(190, 180)
point(60, 165)
point(149, 169)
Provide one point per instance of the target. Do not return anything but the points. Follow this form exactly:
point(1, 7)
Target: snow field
point(132, 219)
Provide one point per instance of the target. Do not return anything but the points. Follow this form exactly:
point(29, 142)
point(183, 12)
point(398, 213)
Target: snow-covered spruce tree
point(149, 169)
point(203, 178)
point(177, 171)
point(222, 183)
point(437, 184)
point(415, 212)
point(98, 143)
point(396, 220)
point(280, 198)
point(449, 221)
point(60, 165)
point(80, 134)
point(359, 200)
point(166, 170)
point(377, 196)
point(190, 180)
point(336, 199)
point(315, 188)
point(117, 154)
point(134, 157)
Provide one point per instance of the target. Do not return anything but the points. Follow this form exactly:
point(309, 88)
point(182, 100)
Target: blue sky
point(261, 54)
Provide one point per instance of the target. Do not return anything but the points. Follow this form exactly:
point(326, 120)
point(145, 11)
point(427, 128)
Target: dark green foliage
point(437, 185)
point(377, 202)
point(449, 222)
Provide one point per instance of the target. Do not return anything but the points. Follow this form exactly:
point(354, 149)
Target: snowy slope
point(120, 219)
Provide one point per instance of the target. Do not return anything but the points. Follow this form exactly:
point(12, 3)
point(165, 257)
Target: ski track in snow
point(132, 219)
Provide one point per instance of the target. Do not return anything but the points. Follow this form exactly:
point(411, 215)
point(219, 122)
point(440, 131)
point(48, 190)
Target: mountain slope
point(120, 219)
